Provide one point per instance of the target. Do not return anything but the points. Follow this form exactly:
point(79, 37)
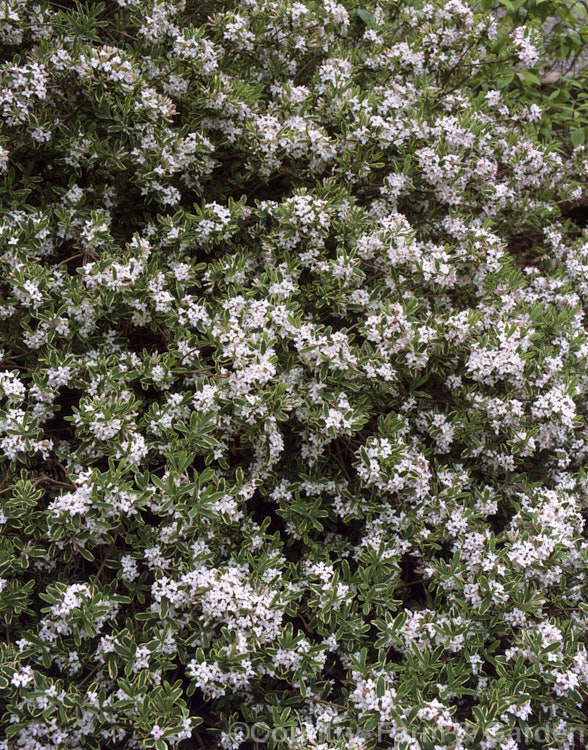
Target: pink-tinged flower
point(156, 732)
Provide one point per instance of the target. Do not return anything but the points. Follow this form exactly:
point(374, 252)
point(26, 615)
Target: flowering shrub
point(293, 381)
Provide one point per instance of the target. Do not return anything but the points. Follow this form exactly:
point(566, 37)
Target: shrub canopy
point(294, 376)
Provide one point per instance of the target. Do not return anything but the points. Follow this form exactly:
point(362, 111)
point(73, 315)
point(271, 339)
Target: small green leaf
point(372, 721)
point(164, 608)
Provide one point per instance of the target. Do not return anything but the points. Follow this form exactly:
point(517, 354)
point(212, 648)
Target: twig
point(327, 703)
point(67, 260)
point(308, 698)
point(103, 564)
point(61, 466)
point(89, 676)
point(303, 68)
point(306, 625)
point(4, 480)
point(15, 356)
point(45, 478)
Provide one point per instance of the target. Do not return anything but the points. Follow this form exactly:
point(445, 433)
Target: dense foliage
point(294, 375)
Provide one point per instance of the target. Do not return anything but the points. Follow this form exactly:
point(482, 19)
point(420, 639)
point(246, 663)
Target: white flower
point(156, 732)
point(23, 678)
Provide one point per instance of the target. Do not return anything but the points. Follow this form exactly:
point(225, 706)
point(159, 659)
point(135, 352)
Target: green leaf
point(112, 666)
point(528, 77)
point(485, 605)
point(577, 137)
point(164, 608)
point(366, 17)
point(380, 687)
point(85, 553)
point(371, 722)
point(13, 729)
